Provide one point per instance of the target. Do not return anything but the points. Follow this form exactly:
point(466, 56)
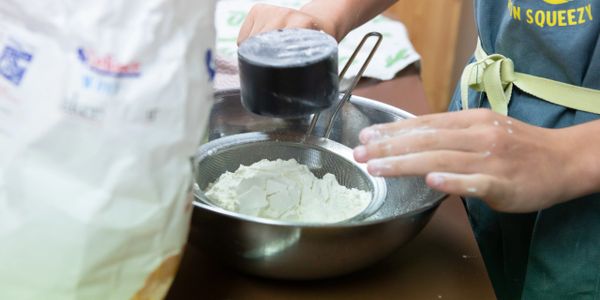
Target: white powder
point(288, 191)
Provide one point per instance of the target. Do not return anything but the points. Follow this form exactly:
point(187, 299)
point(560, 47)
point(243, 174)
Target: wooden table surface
point(442, 262)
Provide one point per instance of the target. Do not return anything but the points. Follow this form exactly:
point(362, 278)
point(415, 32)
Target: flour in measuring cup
point(287, 191)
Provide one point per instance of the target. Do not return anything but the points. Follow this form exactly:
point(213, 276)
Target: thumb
point(486, 187)
point(246, 29)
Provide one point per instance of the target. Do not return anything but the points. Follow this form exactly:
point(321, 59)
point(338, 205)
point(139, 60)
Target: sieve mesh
point(320, 155)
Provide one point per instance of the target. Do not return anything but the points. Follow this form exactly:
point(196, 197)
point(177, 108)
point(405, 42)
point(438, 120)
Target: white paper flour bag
point(102, 104)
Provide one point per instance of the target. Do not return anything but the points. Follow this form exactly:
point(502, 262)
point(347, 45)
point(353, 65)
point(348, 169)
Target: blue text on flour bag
point(13, 63)
point(209, 61)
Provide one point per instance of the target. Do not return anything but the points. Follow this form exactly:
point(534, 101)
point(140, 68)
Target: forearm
point(583, 170)
point(346, 14)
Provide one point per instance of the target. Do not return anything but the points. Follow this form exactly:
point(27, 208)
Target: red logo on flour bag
point(106, 65)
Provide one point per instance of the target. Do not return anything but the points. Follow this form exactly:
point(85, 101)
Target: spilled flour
point(287, 191)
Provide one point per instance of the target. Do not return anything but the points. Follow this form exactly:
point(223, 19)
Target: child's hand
point(513, 166)
point(336, 18)
point(263, 18)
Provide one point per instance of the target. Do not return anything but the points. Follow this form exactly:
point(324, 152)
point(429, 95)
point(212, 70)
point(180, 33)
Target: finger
point(450, 120)
point(258, 26)
point(420, 164)
point(298, 21)
point(246, 29)
point(460, 140)
point(494, 191)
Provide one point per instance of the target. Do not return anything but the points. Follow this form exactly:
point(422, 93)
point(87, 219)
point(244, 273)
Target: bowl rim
point(363, 101)
point(353, 99)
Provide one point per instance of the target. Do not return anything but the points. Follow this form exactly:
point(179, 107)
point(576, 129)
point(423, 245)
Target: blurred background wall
point(444, 33)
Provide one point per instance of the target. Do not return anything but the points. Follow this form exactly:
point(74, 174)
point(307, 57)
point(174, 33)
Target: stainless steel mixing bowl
point(298, 251)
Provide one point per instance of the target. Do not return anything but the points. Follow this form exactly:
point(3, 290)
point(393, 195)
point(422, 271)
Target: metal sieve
point(320, 154)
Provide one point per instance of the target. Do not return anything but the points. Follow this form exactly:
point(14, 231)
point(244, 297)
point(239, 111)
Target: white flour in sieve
point(287, 191)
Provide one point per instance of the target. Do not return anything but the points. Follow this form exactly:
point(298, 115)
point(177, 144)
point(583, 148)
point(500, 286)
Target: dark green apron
point(553, 253)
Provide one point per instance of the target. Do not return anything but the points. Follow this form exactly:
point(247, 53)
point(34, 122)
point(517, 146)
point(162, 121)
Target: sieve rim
point(379, 186)
point(288, 224)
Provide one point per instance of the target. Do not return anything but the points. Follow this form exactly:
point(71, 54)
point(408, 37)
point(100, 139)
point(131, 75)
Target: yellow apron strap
point(495, 75)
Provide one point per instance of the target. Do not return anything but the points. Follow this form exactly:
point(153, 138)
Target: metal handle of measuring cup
point(348, 93)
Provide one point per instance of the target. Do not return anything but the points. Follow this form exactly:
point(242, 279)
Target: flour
point(287, 191)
